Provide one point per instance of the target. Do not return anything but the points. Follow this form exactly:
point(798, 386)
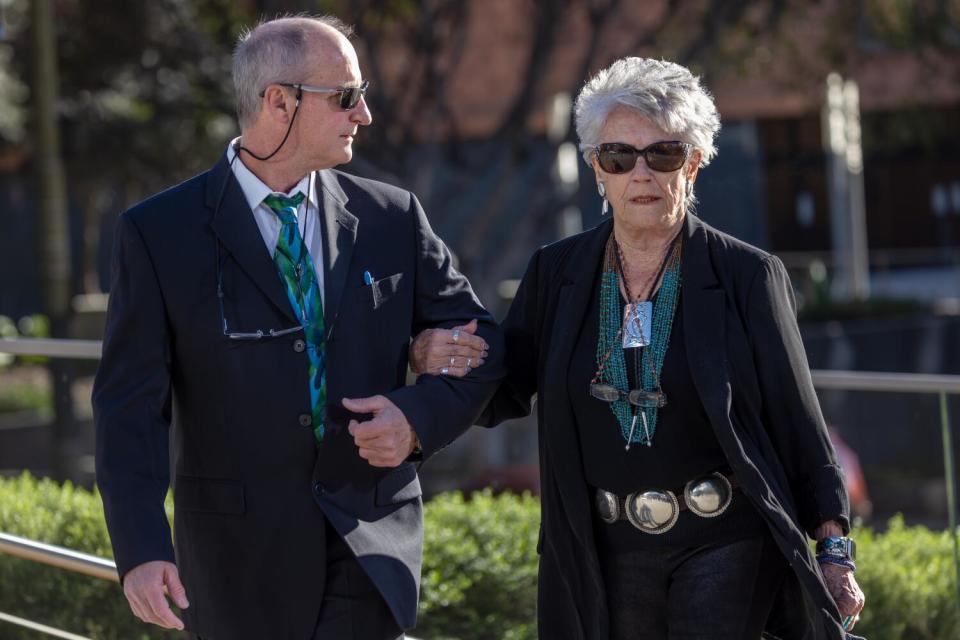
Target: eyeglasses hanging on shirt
point(256, 334)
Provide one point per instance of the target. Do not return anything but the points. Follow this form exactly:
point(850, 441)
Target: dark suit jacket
point(750, 371)
point(251, 489)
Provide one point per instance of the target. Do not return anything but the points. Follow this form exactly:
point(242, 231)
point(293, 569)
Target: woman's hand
point(839, 580)
point(454, 352)
point(845, 591)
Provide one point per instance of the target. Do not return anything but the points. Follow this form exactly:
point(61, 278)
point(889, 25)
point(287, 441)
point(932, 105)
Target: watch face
point(841, 547)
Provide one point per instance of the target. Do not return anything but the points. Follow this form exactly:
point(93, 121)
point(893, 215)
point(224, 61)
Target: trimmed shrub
point(479, 573)
point(70, 517)
point(908, 576)
point(480, 567)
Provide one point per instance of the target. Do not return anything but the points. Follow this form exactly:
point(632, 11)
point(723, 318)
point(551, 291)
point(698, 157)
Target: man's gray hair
point(663, 92)
point(275, 51)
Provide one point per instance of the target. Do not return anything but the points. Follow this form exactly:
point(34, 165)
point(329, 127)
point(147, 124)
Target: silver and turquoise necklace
point(644, 325)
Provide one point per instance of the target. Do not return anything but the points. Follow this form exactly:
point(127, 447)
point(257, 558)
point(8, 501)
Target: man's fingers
point(381, 459)
point(379, 435)
point(372, 404)
point(378, 442)
point(136, 608)
point(171, 578)
point(160, 611)
point(369, 429)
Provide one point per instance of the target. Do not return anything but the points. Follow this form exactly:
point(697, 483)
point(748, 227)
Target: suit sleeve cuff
point(420, 418)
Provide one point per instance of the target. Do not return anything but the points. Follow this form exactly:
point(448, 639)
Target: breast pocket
point(372, 309)
point(384, 288)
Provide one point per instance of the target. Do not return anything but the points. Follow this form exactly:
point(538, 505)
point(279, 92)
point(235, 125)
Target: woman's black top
point(684, 445)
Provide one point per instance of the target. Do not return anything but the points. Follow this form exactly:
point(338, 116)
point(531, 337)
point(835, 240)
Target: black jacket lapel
point(575, 281)
point(234, 225)
point(703, 324)
point(339, 230)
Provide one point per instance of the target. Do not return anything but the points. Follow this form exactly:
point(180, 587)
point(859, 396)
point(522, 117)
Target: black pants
point(720, 591)
point(352, 607)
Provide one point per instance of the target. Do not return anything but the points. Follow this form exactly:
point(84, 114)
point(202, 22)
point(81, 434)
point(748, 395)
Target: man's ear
point(278, 103)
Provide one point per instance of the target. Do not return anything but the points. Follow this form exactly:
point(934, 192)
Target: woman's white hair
point(276, 51)
point(663, 92)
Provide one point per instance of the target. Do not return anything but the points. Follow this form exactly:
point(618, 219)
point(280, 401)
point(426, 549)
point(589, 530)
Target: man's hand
point(387, 439)
point(144, 587)
point(457, 350)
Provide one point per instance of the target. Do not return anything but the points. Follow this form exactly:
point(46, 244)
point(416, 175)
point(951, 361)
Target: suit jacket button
point(318, 489)
point(299, 345)
point(305, 420)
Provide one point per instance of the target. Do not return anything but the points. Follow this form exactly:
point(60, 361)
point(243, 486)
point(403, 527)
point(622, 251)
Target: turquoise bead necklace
point(611, 360)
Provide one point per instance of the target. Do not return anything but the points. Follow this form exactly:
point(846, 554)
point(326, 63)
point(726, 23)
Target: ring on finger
point(444, 371)
point(453, 360)
point(469, 362)
point(456, 336)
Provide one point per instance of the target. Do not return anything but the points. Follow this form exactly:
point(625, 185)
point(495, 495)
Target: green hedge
point(69, 517)
point(908, 576)
point(479, 575)
point(479, 567)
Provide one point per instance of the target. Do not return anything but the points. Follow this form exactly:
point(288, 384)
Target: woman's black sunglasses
point(617, 157)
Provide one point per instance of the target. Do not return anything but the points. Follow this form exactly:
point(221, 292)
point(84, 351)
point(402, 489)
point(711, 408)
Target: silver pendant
point(637, 324)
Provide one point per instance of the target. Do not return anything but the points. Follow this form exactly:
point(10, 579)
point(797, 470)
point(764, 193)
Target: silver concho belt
point(656, 510)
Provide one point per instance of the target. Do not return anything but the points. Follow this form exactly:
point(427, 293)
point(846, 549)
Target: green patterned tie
point(296, 270)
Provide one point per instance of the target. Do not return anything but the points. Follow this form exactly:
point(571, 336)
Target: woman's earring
point(602, 190)
point(689, 188)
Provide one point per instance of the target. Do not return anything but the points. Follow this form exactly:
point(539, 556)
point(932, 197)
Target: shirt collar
point(254, 190)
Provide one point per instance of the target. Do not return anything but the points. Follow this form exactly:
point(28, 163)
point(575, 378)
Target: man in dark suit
point(256, 348)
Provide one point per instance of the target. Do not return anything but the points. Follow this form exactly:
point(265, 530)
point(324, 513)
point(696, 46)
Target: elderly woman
point(683, 456)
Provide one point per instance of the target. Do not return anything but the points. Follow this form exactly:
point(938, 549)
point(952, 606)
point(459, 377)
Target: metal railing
point(941, 385)
point(54, 556)
point(42, 628)
point(58, 557)
point(53, 348)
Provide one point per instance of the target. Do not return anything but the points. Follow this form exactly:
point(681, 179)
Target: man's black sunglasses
point(349, 96)
point(618, 157)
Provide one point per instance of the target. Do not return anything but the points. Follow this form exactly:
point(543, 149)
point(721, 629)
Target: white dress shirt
point(308, 213)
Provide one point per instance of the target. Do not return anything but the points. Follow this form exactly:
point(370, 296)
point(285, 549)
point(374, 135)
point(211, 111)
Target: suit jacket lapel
point(576, 281)
point(339, 231)
point(234, 225)
point(704, 327)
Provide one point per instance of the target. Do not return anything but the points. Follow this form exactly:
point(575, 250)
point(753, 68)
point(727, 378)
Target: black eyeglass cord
point(216, 210)
point(296, 110)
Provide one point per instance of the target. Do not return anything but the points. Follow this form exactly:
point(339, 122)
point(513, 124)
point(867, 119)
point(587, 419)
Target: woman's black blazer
point(751, 374)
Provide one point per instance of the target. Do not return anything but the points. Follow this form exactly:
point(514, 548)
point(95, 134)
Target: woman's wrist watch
point(839, 547)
